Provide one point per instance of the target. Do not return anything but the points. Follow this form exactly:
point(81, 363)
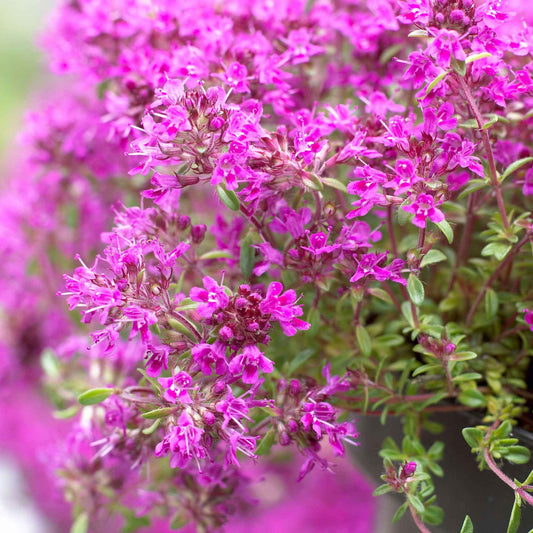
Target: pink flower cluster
point(258, 158)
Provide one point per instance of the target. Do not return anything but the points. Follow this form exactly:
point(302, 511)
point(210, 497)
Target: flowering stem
point(495, 468)
point(421, 237)
point(390, 229)
point(417, 520)
point(488, 150)
point(495, 274)
point(465, 240)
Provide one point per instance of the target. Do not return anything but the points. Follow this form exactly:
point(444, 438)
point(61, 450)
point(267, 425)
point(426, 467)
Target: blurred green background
point(22, 64)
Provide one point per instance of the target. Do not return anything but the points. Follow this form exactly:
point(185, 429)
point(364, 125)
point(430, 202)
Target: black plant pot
point(463, 490)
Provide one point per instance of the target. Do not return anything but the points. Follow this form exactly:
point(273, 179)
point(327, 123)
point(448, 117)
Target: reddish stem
point(494, 467)
point(417, 520)
point(488, 150)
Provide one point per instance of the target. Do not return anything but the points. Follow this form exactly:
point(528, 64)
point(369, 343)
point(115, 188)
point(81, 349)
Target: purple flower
point(318, 244)
point(210, 298)
point(209, 355)
point(315, 415)
point(249, 362)
point(233, 410)
point(369, 266)
point(528, 317)
point(445, 45)
point(423, 208)
point(177, 388)
point(157, 359)
point(283, 309)
point(408, 470)
point(183, 442)
point(236, 77)
point(141, 320)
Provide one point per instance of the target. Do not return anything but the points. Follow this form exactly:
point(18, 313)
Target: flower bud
point(408, 470)
point(184, 222)
point(292, 426)
point(294, 387)
point(216, 123)
point(284, 438)
point(225, 333)
point(198, 233)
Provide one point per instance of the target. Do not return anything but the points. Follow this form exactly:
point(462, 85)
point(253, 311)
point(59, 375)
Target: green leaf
point(446, 229)
point(518, 455)
point(247, 257)
point(503, 430)
point(468, 376)
point(179, 521)
point(363, 340)
point(266, 442)
point(69, 412)
point(80, 524)
point(216, 254)
point(467, 526)
point(133, 523)
point(407, 312)
point(399, 513)
point(433, 256)
point(427, 369)
point(458, 66)
point(415, 290)
point(382, 489)
point(436, 80)
point(436, 450)
point(299, 360)
point(514, 519)
point(149, 430)
point(463, 356)
point(381, 294)
point(416, 503)
point(433, 515)
point(472, 398)
point(476, 57)
point(229, 198)
point(513, 167)
point(497, 249)
point(159, 413)
point(473, 186)
point(312, 181)
point(473, 436)
point(94, 396)
point(492, 120)
point(336, 184)
point(491, 303)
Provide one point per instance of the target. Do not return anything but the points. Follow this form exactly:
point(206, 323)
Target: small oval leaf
point(94, 396)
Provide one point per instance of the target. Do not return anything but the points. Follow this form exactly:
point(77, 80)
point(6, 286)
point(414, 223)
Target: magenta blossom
point(210, 298)
point(423, 208)
point(249, 362)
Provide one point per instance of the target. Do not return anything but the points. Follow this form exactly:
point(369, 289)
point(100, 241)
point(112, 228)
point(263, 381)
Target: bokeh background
point(22, 70)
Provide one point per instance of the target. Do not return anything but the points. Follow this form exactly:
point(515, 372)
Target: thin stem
point(488, 150)
point(465, 240)
point(390, 228)
point(421, 237)
point(508, 481)
point(495, 274)
point(417, 520)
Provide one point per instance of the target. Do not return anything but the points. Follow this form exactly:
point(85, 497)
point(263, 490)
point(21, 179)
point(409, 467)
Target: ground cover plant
point(284, 215)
